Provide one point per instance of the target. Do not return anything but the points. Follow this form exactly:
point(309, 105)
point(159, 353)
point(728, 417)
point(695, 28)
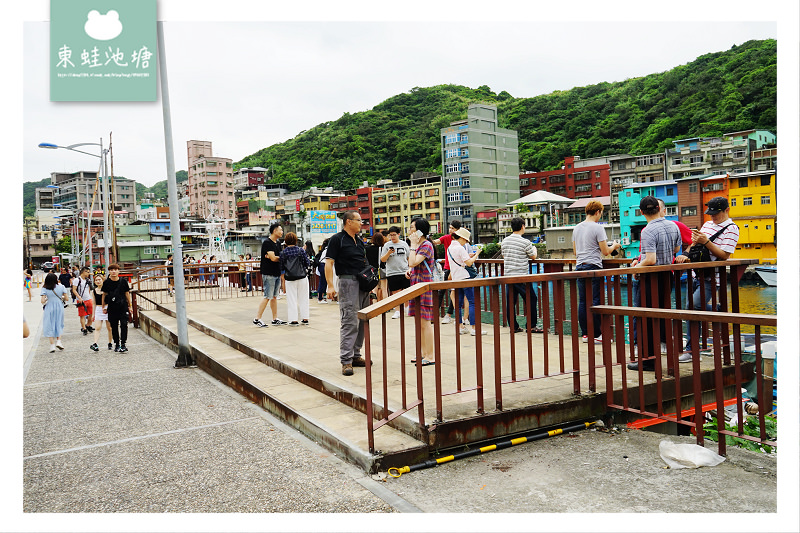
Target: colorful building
point(754, 208)
point(576, 179)
point(632, 220)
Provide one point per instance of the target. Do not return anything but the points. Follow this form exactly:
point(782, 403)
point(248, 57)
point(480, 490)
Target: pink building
point(210, 182)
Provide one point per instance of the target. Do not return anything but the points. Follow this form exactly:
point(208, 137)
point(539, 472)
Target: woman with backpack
point(294, 266)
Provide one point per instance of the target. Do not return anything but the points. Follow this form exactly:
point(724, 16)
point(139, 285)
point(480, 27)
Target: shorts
point(272, 286)
point(398, 282)
point(86, 309)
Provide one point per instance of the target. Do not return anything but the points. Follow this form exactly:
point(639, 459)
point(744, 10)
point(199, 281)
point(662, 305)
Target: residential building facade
point(480, 162)
point(753, 203)
point(210, 183)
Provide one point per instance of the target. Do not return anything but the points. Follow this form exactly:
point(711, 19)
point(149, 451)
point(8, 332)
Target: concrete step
point(337, 426)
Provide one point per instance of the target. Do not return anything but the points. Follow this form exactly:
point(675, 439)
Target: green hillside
point(716, 93)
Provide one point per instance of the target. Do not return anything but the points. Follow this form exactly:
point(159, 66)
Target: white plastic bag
point(687, 455)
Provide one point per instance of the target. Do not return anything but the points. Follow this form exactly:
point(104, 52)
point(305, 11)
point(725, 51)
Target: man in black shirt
point(347, 254)
point(116, 303)
point(271, 275)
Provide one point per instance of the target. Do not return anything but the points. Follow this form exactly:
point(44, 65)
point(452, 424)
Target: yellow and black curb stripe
point(397, 472)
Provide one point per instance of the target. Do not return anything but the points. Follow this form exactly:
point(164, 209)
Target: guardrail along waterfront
point(485, 374)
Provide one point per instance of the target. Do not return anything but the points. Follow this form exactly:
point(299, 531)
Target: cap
point(717, 205)
point(648, 202)
point(463, 233)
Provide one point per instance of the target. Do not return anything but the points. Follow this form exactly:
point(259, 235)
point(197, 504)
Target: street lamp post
point(104, 172)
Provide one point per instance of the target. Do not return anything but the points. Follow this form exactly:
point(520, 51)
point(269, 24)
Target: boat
point(768, 274)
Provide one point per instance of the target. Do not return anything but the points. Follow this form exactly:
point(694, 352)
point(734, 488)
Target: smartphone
point(419, 233)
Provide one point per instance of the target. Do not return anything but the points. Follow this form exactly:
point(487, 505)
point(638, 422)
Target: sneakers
point(109, 346)
point(294, 323)
point(52, 348)
point(90, 329)
point(84, 331)
point(322, 302)
point(347, 370)
point(278, 322)
point(123, 348)
point(464, 329)
point(447, 319)
point(304, 322)
point(116, 347)
point(94, 347)
point(686, 357)
point(648, 366)
point(396, 314)
point(598, 339)
point(360, 361)
point(585, 339)
point(472, 332)
point(257, 322)
point(59, 345)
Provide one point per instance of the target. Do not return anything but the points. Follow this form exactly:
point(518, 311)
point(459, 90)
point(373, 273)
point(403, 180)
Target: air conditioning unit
point(625, 241)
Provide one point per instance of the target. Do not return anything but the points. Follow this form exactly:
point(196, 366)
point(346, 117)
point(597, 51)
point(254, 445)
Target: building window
point(764, 200)
point(747, 200)
point(523, 182)
point(150, 250)
point(689, 211)
point(562, 239)
point(733, 202)
point(544, 181)
point(626, 213)
point(596, 173)
point(672, 211)
point(743, 183)
point(769, 226)
point(598, 185)
point(765, 181)
point(670, 191)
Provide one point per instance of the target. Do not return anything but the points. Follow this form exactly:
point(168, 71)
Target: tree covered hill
point(716, 93)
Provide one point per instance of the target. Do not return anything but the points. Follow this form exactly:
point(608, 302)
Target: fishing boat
point(768, 274)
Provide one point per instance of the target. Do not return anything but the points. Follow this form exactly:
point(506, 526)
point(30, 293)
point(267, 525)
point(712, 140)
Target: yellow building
point(754, 208)
point(398, 203)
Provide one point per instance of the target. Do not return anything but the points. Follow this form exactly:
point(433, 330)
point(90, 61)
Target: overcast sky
point(248, 85)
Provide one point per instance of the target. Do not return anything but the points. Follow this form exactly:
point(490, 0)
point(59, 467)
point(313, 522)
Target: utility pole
point(184, 355)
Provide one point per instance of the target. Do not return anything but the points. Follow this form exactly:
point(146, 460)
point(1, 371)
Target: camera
point(614, 252)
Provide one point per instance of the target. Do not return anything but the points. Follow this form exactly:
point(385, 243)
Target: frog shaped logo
point(103, 27)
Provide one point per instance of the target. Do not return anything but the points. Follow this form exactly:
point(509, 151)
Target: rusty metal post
point(437, 351)
point(498, 392)
point(479, 353)
point(368, 384)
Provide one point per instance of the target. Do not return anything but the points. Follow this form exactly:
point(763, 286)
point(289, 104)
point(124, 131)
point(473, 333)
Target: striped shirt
point(726, 240)
point(516, 250)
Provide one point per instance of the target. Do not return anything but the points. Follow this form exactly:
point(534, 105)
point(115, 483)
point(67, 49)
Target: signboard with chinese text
point(323, 221)
point(103, 51)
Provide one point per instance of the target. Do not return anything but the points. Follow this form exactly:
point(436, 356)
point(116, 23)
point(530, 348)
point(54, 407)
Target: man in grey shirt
point(660, 241)
point(589, 244)
point(395, 254)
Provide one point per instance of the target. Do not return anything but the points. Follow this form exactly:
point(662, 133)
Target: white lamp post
point(102, 157)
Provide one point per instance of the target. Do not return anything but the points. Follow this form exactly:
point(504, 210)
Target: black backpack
point(294, 268)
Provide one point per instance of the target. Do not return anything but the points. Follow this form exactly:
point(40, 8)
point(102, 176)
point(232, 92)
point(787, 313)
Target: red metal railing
point(557, 296)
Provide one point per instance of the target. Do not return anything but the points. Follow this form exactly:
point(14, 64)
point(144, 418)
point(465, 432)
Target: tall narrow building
point(210, 182)
point(480, 165)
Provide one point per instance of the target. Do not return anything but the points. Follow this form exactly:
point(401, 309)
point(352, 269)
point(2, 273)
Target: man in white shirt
point(82, 293)
point(516, 251)
point(720, 236)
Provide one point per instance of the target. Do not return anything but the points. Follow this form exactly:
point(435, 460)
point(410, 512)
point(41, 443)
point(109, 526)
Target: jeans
point(249, 280)
point(597, 292)
point(655, 301)
point(469, 293)
point(520, 289)
point(322, 286)
point(693, 301)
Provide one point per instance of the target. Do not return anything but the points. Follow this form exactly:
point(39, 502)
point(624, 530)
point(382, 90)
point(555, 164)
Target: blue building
point(632, 221)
